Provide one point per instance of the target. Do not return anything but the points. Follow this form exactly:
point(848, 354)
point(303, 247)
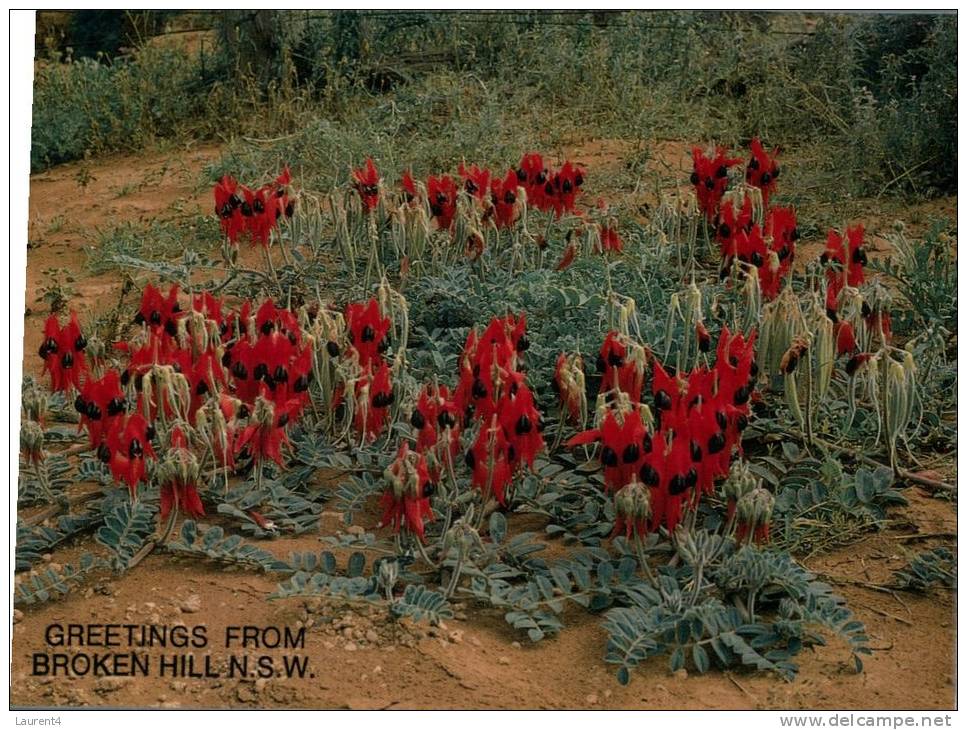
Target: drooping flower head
point(366, 182)
point(180, 476)
point(762, 170)
point(406, 501)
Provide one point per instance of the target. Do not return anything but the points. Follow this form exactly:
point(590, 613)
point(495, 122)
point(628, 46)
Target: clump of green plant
point(927, 569)
point(156, 240)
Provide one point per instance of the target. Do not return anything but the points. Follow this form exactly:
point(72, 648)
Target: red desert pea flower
point(406, 501)
point(101, 405)
point(503, 199)
point(366, 182)
point(532, 174)
point(611, 240)
point(228, 207)
point(475, 181)
point(710, 176)
point(521, 421)
point(408, 186)
point(442, 194)
point(489, 461)
point(561, 190)
point(180, 476)
point(265, 434)
point(762, 170)
point(63, 353)
point(160, 312)
point(729, 221)
point(374, 396)
point(368, 330)
point(128, 446)
point(844, 258)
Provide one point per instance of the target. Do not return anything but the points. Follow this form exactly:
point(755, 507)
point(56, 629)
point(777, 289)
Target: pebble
point(350, 646)
point(515, 644)
point(18, 615)
point(503, 660)
point(377, 669)
point(261, 684)
point(455, 637)
point(372, 637)
point(355, 530)
point(681, 673)
point(591, 699)
point(475, 641)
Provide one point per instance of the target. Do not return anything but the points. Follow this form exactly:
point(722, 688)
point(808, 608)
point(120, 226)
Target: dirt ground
point(364, 659)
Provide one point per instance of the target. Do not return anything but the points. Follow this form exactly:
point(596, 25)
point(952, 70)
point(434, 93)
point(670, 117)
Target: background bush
point(877, 92)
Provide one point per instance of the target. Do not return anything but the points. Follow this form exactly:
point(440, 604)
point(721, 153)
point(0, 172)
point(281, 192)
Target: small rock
point(371, 636)
point(681, 673)
point(515, 644)
point(179, 686)
point(591, 699)
point(18, 615)
point(260, 685)
point(347, 632)
point(475, 641)
point(47, 557)
point(350, 646)
point(607, 693)
point(377, 669)
point(355, 530)
point(456, 636)
point(192, 604)
point(503, 660)
point(246, 693)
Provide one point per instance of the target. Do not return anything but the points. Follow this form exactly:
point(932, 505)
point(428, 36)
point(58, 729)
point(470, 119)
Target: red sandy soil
point(363, 659)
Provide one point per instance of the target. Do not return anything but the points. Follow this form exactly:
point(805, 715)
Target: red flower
point(63, 353)
point(845, 259)
point(621, 368)
point(367, 184)
point(728, 223)
point(781, 228)
point(521, 421)
point(442, 193)
point(562, 189)
point(406, 501)
point(437, 420)
point(762, 170)
point(228, 207)
point(710, 176)
point(368, 329)
point(408, 186)
point(503, 197)
point(568, 258)
point(533, 175)
point(374, 396)
point(179, 479)
point(129, 445)
point(489, 461)
point(101, 406)
point(159, 312)
point(475, 180)
point(265, 435)
point(845, 338)
point(610, 240)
